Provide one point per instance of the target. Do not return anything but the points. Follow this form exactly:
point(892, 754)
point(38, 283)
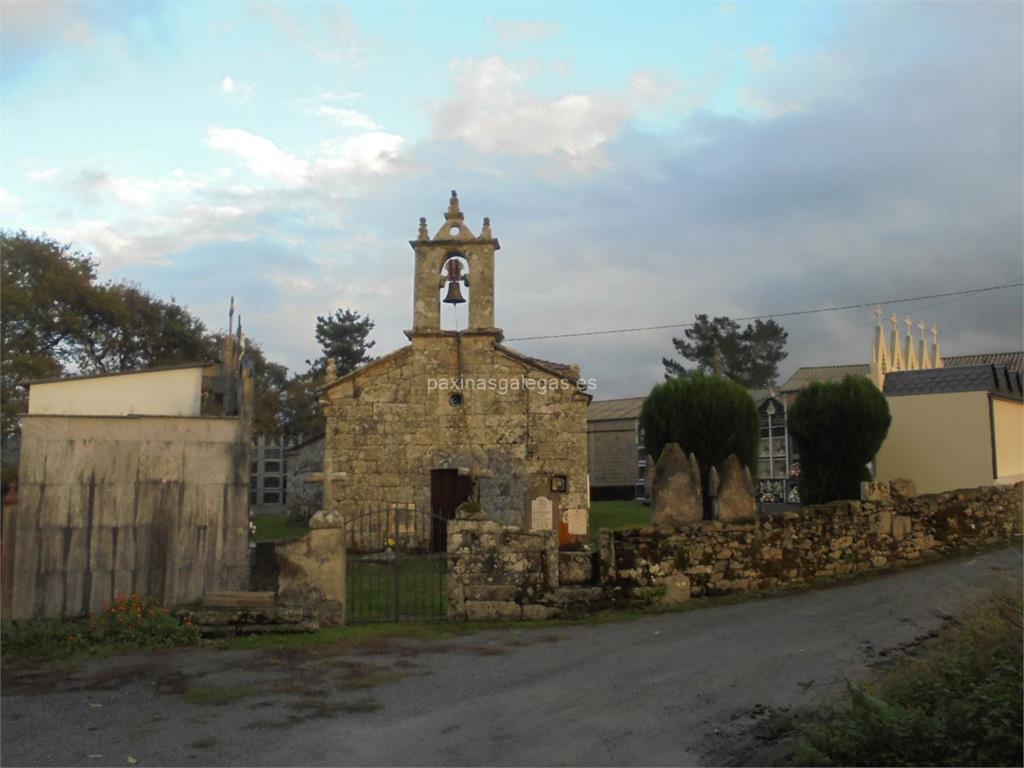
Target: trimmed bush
point(708, 416)
point(838, 428)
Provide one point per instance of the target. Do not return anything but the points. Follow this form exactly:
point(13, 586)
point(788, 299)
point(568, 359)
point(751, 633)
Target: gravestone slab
point(677, 489)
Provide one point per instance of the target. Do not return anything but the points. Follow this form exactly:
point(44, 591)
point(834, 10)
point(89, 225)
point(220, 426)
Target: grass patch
point(377, 590)
point(218, 696)
point(617, 515)
point(958, 704)
point(275, 527)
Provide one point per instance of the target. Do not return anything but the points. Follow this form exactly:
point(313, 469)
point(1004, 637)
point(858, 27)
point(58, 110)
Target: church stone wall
point(390, 424)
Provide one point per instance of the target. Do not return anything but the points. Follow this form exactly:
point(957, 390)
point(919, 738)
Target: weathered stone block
point(574, 568)
point(493, 610)
point(735, 491)
point(677, 489)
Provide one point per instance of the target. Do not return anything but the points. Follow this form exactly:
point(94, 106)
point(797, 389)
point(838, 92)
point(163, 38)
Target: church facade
point(455, 414)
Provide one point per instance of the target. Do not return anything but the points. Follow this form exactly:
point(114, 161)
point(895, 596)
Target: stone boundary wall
point(669, 565)
point(308, 574)
point(111, 505)
point(499, 572)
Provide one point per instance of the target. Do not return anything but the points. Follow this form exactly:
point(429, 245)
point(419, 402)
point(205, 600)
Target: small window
point(271, 482)
point(272, 466)
point(272, 498)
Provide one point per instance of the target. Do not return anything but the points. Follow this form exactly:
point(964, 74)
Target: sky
point(640, 163)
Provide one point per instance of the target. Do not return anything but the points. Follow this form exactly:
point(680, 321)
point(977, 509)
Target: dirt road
point(704, 687)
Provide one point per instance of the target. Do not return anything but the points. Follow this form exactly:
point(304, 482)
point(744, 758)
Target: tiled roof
point(1014, 361)
point(623, 408)
point(824, 373)
point(1011, 360)
point(957, 378)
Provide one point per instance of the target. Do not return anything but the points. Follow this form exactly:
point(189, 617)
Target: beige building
point(170, 391)
point(133, 482)
point(455, 413)
point(954, 428)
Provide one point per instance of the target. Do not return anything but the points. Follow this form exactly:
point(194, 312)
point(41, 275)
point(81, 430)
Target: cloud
point(494, 112)
point(42, 174)
point(239, 88)
point(94, 186)
point(650, 89)
point(761, 58)
point(332, 38)
point(9, 202)
point(376, 152)
point(346, 118)
point(31, 29)
point(262, 156)
point(516, 33)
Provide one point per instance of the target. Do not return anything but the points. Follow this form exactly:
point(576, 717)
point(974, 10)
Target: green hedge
point(708, 416)
point(838, 428)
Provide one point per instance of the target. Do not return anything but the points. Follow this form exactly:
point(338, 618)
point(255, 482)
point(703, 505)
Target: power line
point(775, 314)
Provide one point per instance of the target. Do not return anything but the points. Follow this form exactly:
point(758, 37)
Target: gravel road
point(705, 687)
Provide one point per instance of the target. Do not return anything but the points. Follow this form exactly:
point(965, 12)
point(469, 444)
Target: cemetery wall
point(696, 559)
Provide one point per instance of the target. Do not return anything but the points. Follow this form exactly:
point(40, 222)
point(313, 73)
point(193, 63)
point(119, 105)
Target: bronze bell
point(454, 294)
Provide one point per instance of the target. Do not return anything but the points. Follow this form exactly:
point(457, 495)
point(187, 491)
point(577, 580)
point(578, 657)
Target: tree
point(46, 295)
point(129, 328)
point(708, 416)
point(750, 356)
point(343, 337)
point(838, 428)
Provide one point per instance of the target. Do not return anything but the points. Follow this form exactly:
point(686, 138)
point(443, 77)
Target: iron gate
point(397, 565)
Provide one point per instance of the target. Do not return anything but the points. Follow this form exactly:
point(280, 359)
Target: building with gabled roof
point(456, 414)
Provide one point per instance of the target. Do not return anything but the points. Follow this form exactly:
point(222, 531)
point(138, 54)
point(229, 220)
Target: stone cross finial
point(920, 327)
point(485, 233)
point(909, 323)
point(878, 314)
point(935, 333)
point(895, 322)
point(424, 233)
point(453, 206)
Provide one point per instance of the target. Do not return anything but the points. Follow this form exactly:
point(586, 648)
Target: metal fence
point(397, 565)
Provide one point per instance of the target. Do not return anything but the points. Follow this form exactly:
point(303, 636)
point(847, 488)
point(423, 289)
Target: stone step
point(253, 601)
point(247, 630)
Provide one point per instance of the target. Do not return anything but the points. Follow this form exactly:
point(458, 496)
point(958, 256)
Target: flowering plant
point(139, 620)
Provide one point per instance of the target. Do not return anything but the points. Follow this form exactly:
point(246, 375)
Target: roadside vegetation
point(130, 623)
point(960, 703)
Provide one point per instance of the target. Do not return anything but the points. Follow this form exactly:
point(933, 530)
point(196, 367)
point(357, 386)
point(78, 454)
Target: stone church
point(455, 414)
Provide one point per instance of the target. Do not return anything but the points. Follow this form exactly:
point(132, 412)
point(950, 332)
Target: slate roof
point(622, 408)
point(958, 378)
point(1014, 361)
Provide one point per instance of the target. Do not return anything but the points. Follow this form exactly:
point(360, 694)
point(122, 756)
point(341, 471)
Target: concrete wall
point(1008, 421)
point(111, 506)
point(940, 441)
point(611, 452)
point(386, 429)
point(174, 392)
point(714, 557)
